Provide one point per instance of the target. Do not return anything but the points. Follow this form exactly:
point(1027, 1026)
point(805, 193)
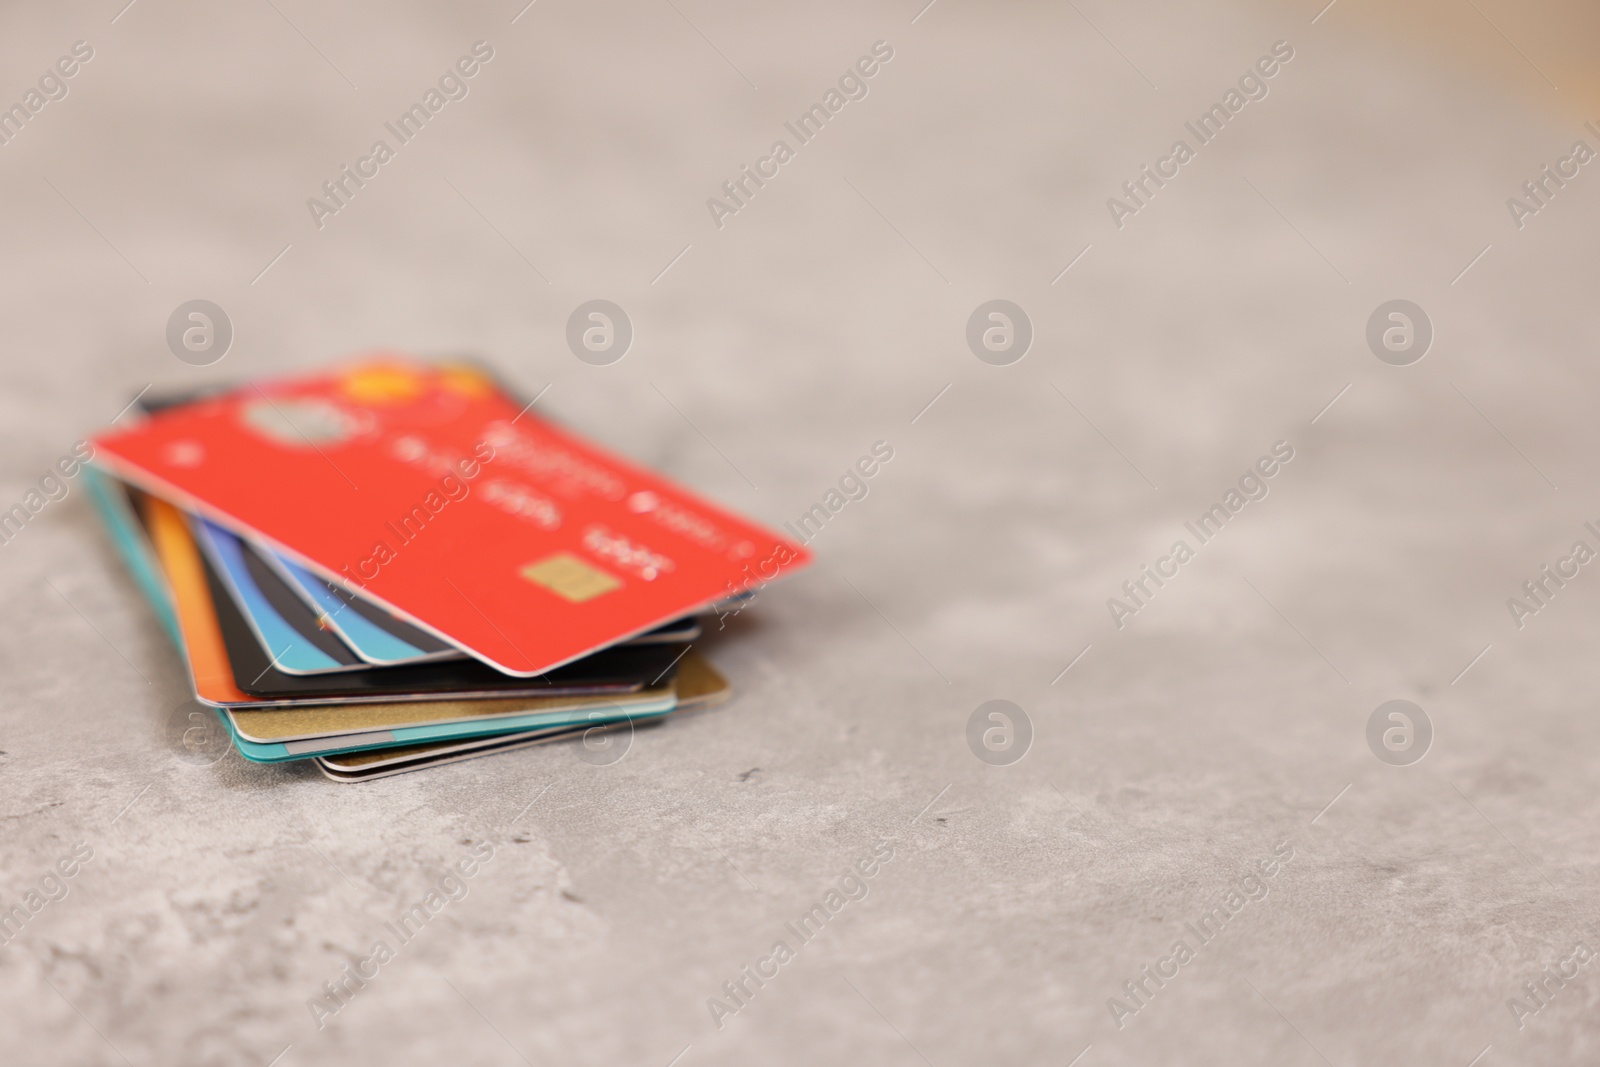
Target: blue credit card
point(306, 648)
point(372, 635)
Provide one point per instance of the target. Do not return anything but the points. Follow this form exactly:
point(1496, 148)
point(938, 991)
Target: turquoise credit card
point(116, 512)
point(280, 752)
point(132, 545)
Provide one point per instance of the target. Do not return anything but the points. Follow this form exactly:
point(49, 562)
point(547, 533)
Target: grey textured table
point(1174, 759)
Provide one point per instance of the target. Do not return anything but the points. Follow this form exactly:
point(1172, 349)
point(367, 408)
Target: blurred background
point(1171, 347)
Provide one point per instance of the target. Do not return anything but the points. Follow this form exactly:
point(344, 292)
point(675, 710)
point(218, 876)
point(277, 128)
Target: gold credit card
point(699, 684)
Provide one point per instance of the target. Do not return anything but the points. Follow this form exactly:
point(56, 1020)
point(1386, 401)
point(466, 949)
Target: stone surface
point(1224, 720)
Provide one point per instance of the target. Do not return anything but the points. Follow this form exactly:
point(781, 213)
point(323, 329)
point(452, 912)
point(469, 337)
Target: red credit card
point(426, 488)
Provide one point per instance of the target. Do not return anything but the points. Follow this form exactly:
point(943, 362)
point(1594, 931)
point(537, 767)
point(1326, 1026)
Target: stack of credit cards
point(397, 564)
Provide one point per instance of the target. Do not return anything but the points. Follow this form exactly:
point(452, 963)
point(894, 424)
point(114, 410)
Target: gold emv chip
point(570, 578)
